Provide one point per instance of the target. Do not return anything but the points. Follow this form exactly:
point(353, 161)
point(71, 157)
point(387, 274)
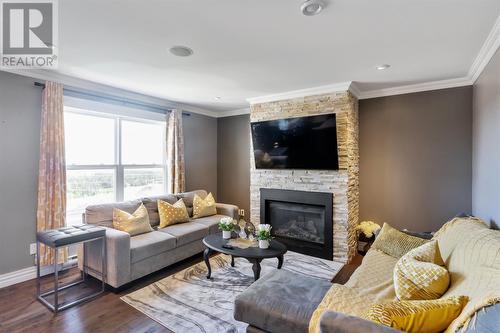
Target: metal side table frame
point(57, 288)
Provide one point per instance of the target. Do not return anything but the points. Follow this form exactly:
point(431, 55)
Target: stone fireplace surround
point(342, 183)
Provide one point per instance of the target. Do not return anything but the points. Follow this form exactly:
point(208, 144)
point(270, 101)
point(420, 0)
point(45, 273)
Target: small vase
point(226, 234)
point(263, 244)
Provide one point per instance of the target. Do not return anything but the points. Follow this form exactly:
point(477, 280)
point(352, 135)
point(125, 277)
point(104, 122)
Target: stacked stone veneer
point(344, 183)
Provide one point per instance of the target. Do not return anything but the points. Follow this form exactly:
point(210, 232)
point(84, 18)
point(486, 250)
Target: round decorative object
point(249, 229)
point(226, 234)
point(263, 244)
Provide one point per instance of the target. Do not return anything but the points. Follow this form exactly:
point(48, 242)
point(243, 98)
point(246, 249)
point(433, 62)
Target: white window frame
point(118, 167)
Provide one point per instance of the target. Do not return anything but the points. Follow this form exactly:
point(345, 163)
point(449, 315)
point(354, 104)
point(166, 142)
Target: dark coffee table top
point(216, 241)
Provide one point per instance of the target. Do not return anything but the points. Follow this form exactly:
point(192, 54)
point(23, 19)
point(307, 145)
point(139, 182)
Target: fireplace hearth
point(301, 220)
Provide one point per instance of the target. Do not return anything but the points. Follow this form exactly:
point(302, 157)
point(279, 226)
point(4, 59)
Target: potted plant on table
point(226, 224)
point(264, 235)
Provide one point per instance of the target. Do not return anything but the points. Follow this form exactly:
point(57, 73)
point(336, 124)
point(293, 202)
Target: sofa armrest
point(228, 210)
point(118, 257)
point(335, 322)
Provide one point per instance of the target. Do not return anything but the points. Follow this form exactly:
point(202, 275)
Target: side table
point(62, 237)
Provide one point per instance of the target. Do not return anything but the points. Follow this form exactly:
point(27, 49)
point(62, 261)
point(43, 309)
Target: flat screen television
point(296, 143)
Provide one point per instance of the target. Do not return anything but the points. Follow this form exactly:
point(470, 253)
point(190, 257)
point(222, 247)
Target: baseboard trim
point(18, 276)
point(29, 273)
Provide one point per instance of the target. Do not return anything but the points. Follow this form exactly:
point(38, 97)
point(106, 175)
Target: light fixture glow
point(382, 67)
point(218, 98)
point(312, 7)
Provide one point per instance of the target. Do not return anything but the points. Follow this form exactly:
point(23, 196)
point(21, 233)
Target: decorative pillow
point(172, 214)
point(418, 316)
point(394, 242)
point(135, 224)
point(204, 207)
point(419, 274)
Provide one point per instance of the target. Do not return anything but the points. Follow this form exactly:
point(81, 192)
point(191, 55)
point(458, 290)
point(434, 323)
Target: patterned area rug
point(188, 302)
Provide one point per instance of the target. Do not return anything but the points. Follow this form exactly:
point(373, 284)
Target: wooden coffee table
point(254, 255)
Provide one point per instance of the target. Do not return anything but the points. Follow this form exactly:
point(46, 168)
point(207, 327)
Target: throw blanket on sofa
point(471, 252)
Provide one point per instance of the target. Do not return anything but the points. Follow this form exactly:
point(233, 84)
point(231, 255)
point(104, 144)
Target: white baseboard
point(18, 276)
point(29, 273)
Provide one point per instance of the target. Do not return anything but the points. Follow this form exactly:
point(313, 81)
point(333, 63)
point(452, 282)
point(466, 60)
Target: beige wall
point(233, 171)
point(486, 141)
point(415, 158)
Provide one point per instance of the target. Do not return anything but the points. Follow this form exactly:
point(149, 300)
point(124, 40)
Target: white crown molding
point(51, 75)
point(419, 87)
point(343, 86)
point(490, 46)
point(354, 89)
point(18, 276)
point(231, 113)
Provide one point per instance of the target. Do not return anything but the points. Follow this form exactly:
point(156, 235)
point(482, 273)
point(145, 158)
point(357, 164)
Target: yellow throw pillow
point(172, 214)
point(135, 224)
point(394, 242)
point(420, 274)
point(204, 207)
point(418, 316)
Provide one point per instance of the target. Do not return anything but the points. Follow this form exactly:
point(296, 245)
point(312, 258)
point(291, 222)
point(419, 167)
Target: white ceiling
point(248, 48)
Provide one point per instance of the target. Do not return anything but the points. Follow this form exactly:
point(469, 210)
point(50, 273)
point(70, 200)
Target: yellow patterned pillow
point(418, 316)
point(204, 207)
point(172, 214)
point(420, 274)
point(394, 242)
point(135, 224)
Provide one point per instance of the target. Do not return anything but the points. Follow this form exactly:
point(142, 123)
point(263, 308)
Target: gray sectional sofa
point(129, 258)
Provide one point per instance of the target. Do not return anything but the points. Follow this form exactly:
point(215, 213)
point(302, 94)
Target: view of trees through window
point(110, 158)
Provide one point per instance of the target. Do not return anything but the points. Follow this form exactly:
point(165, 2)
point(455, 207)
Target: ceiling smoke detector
point(312, 7)
point(181, 51)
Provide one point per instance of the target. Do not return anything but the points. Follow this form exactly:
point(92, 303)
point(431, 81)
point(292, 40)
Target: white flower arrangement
point(264, 232)
point(368, 228)
point(226, 224)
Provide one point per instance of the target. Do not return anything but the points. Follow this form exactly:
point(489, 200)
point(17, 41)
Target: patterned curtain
point(51, 211)
point(175, 153)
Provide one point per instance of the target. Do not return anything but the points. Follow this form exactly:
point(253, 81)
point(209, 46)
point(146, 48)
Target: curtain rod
point(122, 101)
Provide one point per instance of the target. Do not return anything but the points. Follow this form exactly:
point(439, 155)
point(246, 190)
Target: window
point(111, 158)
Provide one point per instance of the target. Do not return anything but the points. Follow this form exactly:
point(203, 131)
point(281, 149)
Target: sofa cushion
point(151, 204)
point(420, 274)
point(204, 206)
point(280, 302)
point(172, 214)
point(186, 232)
point(135, 224)
point(394, 242)
point(102, 214)
point(188, 198)
point(211, 222)
point(152, 243)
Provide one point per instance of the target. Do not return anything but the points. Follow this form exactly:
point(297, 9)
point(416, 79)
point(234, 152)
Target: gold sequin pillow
point(204, 207)
point(394, 242)
point(135, 223)
point(418, 316)
point(172, 214)
point(420, 274)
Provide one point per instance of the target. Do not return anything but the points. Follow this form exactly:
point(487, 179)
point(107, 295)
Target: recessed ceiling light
point(218, 98)
point(382, 67)
point(312, 7)
point(181, 51)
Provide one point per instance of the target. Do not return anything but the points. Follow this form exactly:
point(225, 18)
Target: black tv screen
point(296, 143)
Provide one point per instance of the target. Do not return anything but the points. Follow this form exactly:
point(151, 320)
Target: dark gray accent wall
point(486, 143)
point(20, 108)
point(200, 152)
point(415, 158)
point(233, 176)
point(20, 104)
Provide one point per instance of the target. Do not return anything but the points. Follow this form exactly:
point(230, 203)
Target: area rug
point(188, 302)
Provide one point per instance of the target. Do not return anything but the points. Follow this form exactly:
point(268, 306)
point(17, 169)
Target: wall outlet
point(241, 212)
point(32, 248)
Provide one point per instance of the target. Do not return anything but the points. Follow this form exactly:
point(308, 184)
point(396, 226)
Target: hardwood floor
point(21, 312)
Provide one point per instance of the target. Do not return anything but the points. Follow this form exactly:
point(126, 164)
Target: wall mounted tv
point(296, 143)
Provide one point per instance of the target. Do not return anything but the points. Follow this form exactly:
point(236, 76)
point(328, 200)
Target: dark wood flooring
point(21, 312)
